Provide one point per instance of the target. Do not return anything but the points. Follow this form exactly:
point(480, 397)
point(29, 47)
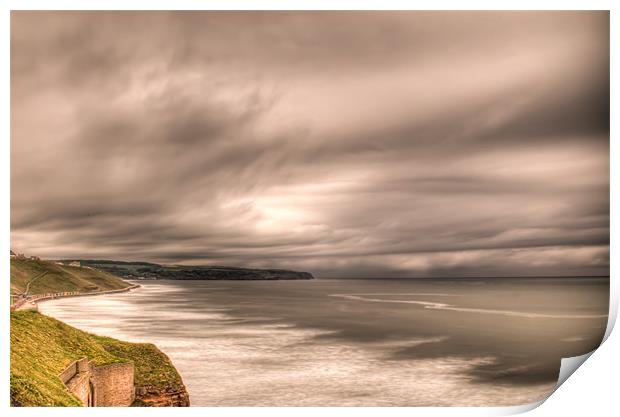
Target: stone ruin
point(100, 386)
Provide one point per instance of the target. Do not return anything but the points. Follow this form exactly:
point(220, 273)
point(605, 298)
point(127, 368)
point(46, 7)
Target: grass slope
point(51, 277)
point(42, 347)
point(153, 369)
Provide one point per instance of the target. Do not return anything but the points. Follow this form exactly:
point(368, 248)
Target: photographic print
point(306, 208)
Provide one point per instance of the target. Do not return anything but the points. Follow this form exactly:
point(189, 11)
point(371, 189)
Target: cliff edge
point(42, 348)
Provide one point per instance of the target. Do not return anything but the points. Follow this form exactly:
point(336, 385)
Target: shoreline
point(31, 303)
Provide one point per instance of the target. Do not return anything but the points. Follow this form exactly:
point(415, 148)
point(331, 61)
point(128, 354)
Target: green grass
point(42, 347)
point(57, 278)
point(153, 368)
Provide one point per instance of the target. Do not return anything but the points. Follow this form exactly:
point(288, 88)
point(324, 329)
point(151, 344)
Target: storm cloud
point(348, 144)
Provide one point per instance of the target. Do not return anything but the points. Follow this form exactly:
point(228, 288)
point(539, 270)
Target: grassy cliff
point(47, 276)
point(42, 347)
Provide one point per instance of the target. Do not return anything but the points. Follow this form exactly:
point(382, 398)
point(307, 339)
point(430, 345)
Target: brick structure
point(114, 386)
point(100, 386)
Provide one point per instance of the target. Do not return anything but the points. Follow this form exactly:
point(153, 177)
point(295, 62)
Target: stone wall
point(77, 377)
point(80, 386)
point(114, 386)
point(69, 372)
point(100, 386)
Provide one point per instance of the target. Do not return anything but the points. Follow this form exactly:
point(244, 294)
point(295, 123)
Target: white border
point(592, 390)
point(309, 5)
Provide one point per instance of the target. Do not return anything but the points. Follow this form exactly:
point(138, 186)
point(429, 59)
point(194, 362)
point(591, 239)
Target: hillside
point(42, 347)
point(145, 270)
point(48, 276)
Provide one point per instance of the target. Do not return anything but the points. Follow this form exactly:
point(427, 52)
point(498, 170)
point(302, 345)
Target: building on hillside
point(75, 263)
point(17, 255)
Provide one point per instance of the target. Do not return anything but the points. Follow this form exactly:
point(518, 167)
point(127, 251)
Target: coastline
point(31, 303)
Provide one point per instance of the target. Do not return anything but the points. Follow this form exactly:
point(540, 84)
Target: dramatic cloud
point(346, 144)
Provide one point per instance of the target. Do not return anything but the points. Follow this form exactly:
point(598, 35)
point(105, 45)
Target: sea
point(357, 342)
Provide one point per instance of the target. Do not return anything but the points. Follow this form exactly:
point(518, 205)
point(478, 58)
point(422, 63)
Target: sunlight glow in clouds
point(346, 144)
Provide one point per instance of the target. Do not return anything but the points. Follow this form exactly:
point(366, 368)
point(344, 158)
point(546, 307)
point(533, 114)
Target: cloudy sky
point(345, 144)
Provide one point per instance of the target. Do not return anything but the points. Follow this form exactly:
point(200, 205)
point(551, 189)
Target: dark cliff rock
point(151, 396)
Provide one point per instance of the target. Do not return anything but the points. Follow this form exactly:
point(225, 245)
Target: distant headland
point(148, 270)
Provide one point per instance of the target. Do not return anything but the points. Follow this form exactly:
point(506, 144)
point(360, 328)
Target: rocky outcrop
point(149, 396)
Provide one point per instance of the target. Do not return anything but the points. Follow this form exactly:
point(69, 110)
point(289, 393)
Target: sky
point(347, 144)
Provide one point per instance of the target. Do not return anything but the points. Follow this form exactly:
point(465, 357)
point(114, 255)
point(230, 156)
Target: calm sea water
point(357, 342)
